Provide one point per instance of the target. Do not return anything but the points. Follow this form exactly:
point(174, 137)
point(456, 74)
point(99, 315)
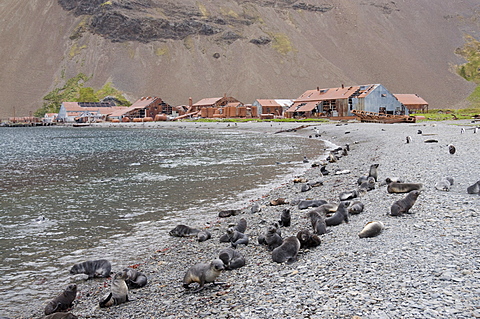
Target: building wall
point(377, 99)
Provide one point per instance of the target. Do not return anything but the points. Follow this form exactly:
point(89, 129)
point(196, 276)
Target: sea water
point(73, 194)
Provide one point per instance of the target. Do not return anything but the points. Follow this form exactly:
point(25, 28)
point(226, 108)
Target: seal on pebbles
point(371, 229)
point(444, 184)
point(307, 239)
point(63, 301)
point(232, 259)
point(318, 222)
point(355, 208)
point(402, 206)
point(288, 251)
point(474, 189)
point(285, 218)
point(395, 187)
point(183, 231)
point(92, 268)
point(304, 204)
point(203, 273)
point(135, 279)
point(340, 215)
point(118, 293)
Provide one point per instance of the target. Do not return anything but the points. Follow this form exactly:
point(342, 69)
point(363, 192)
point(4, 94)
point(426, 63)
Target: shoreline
point(402, 272)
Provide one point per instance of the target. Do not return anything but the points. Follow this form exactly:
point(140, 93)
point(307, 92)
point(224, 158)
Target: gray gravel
point(423, 265)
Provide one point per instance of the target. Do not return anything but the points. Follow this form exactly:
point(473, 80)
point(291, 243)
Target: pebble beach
point(425, 264)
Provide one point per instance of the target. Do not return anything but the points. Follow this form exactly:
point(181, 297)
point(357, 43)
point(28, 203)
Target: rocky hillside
point(247, 49)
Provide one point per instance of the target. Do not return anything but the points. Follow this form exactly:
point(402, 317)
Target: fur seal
point(373, 172)
point(135, 279)
point(93, 268)
point(305, 188)
point(63, 301)
point(444, 184)
point(300, 180)
point(318, 222)
point(368, 184)
point(403, 205)
point(356, 208)
point(288, 251)
point(303, 204)
point(324, 171)
point(348, 195)
point(474, 189)
point(241, 226)
point(183, 231)
point(278, 201)
point(203, 273)
point(203, 235)
point(340, 215)
point(228, 213)
point(255, 208)
point(118, 293)
point(371, 229)
point(60, 315)
point(431, 141)
point(307, 239)
point(285, 218)
point(236, 238)
point(232, 259)
point(272, 238)
point(403, 187)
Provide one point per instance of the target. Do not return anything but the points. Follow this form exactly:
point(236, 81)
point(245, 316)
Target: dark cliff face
point(132, 20)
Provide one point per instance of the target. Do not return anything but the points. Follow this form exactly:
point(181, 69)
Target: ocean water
point(73, 194)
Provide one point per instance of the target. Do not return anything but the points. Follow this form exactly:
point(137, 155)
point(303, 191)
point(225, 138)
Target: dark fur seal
point(232, 259)
point(307, 239)
point(340, 215)
point(59, 315)
point(241, 226)
point(203, 273)
point(119, 291)
point(356, 208)
point(92, 268)
point(368, 184)
point(228, 213)
point(403, 187)
point(288, 251)
point(403, 205)
point(318, 222)
point(236, 238)
point(305, 188)
point(348, 195)
point(303, 204)
point(474, 189)
point(324, 171)
point(444, 184)
point(272, 238)
point(135, 279)
point(203, 235)
point(285, 218)
point(63, 301)
point(371, 229)
point(373, 172)
point(255, 208)
point(183, 231)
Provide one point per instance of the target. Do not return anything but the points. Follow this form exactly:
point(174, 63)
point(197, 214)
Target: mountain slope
point(247, 49)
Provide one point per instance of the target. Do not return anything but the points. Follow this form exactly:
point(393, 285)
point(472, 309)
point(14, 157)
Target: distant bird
point(475, 130)
point(451, 149)
point(462, 130)
point(305, 159)
point(419, 132)
point(409, 139)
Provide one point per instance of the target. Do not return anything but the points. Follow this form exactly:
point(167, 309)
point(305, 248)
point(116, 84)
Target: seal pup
point(183, 231)
point(444, 184)
point(118, 293)
point(92, 268)
point(278, 201)
point(236, 238)
point(371, 229)
point(288, 251)
point(232, 259)
point(241, 226)
point(348, 195)
point(318, 222)
point(305, 188)
point(355, 208)
point(402, 206)
point(373, 171)
point(228, 213)
point(203, 273)
point(307, 239)
point(474, 189)
point(285, 218)
point(340, 215)
point(59, 315)
point(304, 204)
point(203, 235)
point(63, 301)
point(272, 238)
point(324, 170)
point(368, 184)
point(255, 208)
point(451, 149)
point(135, 279)
point(395, 187)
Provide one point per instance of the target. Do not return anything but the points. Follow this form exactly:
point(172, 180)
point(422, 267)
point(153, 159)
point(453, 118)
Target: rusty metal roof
point(410, 99)
point(145, 101)
point(268, 102)
point(207, 101)
point(335, 93)
point(302, 107)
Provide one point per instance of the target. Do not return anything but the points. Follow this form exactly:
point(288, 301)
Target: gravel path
point(423, 265)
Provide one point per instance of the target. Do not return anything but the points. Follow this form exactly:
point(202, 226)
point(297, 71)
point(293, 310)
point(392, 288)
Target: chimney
point(225, 95)
point(318, 88)
point(190, 101)
point(343, 86)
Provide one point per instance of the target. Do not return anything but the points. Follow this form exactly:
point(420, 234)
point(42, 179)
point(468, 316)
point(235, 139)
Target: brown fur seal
point(371, 229)
point(444, 184)
point(285, 218)
point(356, 208)
point(119, 291)
point(278, 201)
point(474, 189)
point(135, 279)
point(61, 315)
point(348, 195)
point(288, 251)
point(303, 204)
point(63, 301)
point(93, 268)
point(232, 259)
point(183, 231)
point(318, 222)
point(340, 215)
point(307, 239)
point(403, 187)
point(203, 273)
point(403, 205)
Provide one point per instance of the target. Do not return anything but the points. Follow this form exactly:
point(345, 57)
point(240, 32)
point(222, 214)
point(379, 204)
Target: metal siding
point(374, 101)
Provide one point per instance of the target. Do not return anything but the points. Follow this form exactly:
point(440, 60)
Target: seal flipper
point(107, 302)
